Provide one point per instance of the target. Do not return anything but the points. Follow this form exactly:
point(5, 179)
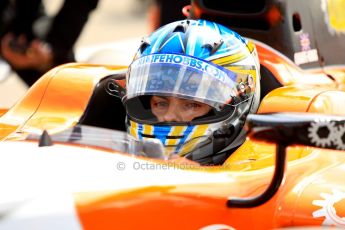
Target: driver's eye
point(161, 104)
point(192, 106)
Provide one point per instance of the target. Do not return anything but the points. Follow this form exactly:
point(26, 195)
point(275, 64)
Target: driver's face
point(168, 109)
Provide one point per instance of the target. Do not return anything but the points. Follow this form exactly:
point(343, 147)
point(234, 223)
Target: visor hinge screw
point(144, 44)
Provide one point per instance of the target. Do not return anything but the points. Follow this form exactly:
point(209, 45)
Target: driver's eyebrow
point(162, 97)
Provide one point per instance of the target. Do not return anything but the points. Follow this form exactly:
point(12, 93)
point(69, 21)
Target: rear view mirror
point(317, 130)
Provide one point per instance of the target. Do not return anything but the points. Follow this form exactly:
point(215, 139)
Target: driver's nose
point(171, 115)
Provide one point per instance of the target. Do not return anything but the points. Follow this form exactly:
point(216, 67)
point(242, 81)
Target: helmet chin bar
point(217, 143)
point(205, 153)
point(285, 129)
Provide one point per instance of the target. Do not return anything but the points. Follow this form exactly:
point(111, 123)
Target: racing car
point(66, 162)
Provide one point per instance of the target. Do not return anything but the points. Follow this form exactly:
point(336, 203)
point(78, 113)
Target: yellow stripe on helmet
point(251, 46)
point(231, 59)
point(148, 129)
point(133, 130)
point(193, 140)
point(176, 131)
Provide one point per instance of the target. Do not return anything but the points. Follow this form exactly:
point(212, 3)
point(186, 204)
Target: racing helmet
point(201, 61)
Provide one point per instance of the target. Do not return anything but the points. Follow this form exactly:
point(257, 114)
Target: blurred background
point(120, 22)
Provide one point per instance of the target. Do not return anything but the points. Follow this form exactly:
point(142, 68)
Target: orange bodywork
point(196, 206)
point(60, 97)
point(55, 102)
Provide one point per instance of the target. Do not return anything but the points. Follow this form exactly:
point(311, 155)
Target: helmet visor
point(187, 77)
